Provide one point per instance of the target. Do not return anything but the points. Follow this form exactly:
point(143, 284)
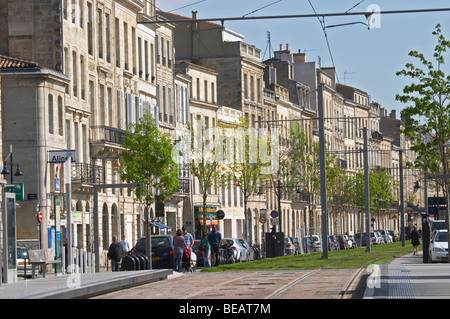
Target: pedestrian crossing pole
point(366, 189)
point(323, 172)
point(68, 180)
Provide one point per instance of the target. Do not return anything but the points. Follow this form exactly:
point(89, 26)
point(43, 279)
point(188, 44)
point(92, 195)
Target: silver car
point(239, 251)
point(249, 249)
point(386, 236)
point(315, 243)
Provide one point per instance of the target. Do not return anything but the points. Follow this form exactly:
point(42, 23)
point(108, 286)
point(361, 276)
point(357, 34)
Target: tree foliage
point(380, 186)
point(427, 114)
point(148, 160)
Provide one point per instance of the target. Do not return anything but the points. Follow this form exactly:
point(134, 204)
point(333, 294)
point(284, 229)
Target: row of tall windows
point(99, 28)
point(163, 49)
point(251, 91)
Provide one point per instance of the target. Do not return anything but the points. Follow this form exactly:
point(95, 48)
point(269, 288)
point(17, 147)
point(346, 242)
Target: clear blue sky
point(366, 59)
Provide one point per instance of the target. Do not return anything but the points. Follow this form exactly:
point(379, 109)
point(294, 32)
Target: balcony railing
point(185, 185)
point(107, 134)
point(87, 174)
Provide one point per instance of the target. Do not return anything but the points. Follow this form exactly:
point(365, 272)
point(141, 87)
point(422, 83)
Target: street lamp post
point(12, 164)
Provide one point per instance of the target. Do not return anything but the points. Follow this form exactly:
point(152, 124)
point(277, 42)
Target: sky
point(365, 59)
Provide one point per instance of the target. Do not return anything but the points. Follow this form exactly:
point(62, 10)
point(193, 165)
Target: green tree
point(148, 160)
point(300, 167)
point(204, 162)
point(427, 114)
point(244, 167)
point(380, 191)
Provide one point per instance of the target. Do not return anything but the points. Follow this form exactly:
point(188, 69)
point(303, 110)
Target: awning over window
point(162, 227)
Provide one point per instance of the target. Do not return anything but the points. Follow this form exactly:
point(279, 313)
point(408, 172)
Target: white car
point(22, 258)
point(439, 246)
point(239, 251)
point(315, 243)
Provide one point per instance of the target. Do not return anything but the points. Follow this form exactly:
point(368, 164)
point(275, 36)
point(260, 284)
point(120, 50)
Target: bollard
point(147, 264)
point(63, 260)
point(85, 270)
point(129, 263)
point(141, 262)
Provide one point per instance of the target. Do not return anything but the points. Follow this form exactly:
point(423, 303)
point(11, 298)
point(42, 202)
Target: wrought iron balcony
point(87, 174)
point(107, 134)
point(106, 141)
point(185, 185)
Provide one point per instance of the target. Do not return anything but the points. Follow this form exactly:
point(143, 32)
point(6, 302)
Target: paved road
point(295, 284)
point(406, 277)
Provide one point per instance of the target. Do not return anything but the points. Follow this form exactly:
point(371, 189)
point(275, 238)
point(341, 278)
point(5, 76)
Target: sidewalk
point(407, 277)
point(79, 285)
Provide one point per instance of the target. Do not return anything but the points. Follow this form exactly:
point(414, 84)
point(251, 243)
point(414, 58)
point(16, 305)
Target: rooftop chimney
point(393, 114)
point(194, 38)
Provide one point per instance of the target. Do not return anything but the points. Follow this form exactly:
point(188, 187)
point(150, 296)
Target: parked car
point(162, 250)
point(240, 253)
point(22, 262)
point(315, 243)
point(199, 253)
point(289, 247)
point(296, 244)
point(394, 235)
point(306, 245)
point(361, 237)
point(250, 253)
point(354, 243)
point(385, 234)
point(350, 243)
point(333, 243)
point(439, 245)
point(376, 238)
point(343, 242)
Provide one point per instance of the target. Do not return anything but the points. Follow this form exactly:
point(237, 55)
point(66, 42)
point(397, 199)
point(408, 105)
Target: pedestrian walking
point(188, 239)
point(205, 247)
point(415, 240)
point(178, 249)
point(125, 245)
point(214, 238)
point(115, 253)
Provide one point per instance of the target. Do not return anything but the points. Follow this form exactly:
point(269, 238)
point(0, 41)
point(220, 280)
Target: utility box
point(274, 244)
point(425, 238)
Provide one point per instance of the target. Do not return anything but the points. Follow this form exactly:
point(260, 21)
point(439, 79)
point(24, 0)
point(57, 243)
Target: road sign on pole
point(274, 214)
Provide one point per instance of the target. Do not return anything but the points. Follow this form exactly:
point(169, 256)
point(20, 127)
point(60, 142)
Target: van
point(436, 225)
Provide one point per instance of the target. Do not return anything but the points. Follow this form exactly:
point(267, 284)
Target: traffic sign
point(40, 216)
point(274, 221)
point(220, 214)
point(262, 219)
point(274, 214)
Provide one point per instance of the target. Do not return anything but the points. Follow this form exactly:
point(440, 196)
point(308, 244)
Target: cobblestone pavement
point(295, 284)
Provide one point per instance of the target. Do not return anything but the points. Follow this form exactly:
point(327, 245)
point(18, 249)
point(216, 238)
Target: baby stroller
point(189, 260)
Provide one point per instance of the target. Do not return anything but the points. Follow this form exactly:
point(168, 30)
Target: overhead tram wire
point(322, 24)
point(256, 10)
point(297, 16)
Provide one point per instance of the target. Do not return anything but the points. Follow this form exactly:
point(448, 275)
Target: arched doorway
point(105, 226)
point(114, 221)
